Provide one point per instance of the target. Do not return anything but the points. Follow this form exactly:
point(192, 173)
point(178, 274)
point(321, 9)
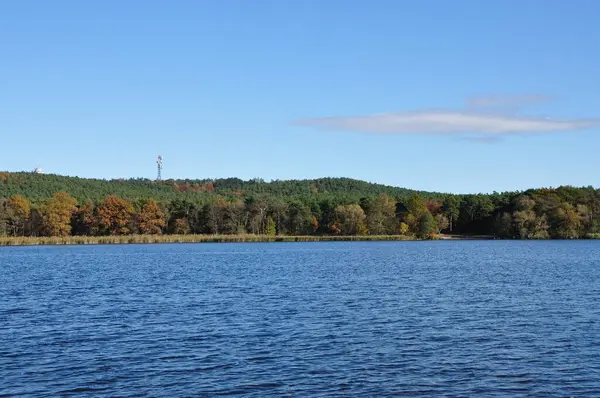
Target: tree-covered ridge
point(50, 205)
point(39, 187)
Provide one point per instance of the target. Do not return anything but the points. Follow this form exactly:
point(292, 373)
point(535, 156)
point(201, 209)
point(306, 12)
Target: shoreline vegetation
point(37, 208)
point(247, 238)
point(189, 238)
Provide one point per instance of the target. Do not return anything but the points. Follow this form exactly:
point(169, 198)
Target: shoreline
point(6, 241)
point(161, 239)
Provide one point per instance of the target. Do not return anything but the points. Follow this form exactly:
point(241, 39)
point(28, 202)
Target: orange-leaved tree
point(19, 210)
point(114, 216)
point(57, 213)
point(151, 218)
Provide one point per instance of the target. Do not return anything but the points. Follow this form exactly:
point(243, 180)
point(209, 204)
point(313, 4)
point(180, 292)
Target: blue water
point(461, 318)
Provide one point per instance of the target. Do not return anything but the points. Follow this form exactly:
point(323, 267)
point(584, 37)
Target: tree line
point(564, 212)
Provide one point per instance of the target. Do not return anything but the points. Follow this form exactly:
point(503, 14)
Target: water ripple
point(439, 319)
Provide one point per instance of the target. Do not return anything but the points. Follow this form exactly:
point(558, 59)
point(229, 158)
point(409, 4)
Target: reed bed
point(148, 239)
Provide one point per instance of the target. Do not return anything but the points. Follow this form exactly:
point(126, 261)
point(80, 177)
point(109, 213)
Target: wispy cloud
point(481, 125)
point(496, 100)
point(483, 140)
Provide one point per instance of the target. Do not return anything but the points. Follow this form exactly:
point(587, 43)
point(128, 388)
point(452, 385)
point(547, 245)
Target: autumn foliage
point(303, 207)
point(114, 216)
point(19, 210)
point(57, 213)
point(151, 218)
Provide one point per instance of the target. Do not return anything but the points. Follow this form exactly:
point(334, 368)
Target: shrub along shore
point(189, 238)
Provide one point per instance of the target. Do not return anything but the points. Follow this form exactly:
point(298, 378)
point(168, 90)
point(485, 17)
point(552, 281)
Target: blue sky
point(454, 96)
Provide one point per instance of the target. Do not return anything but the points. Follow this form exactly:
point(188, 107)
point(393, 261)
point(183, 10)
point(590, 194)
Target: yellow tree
point(151, 218)
point(568, 221)
point(417, 212)
point(270, 228)
point(351, 219)
point(403, 229)
point(57, 213)
point(113, 215)
point(381, 215)
point(19, 210)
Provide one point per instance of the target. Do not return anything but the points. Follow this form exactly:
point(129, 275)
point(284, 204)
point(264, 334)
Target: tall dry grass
point(146, 239)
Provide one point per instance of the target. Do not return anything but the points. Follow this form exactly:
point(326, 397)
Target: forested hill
point(39, 187)
point(36, 205)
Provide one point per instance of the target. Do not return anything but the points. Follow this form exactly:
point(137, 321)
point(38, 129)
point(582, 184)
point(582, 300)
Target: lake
point(328, 319)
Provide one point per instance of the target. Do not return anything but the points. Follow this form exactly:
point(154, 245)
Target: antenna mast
point(159, 168)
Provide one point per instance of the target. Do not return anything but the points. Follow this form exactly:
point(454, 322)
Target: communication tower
point(159, 168)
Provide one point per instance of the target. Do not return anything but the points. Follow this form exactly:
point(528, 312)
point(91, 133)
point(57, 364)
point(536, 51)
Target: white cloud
point(488, 101)
point(448, 122)
point(490, 139)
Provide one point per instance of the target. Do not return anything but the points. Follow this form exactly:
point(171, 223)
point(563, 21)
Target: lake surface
point(444, 318)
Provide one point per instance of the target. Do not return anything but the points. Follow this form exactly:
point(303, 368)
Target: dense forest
point(51, 205)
